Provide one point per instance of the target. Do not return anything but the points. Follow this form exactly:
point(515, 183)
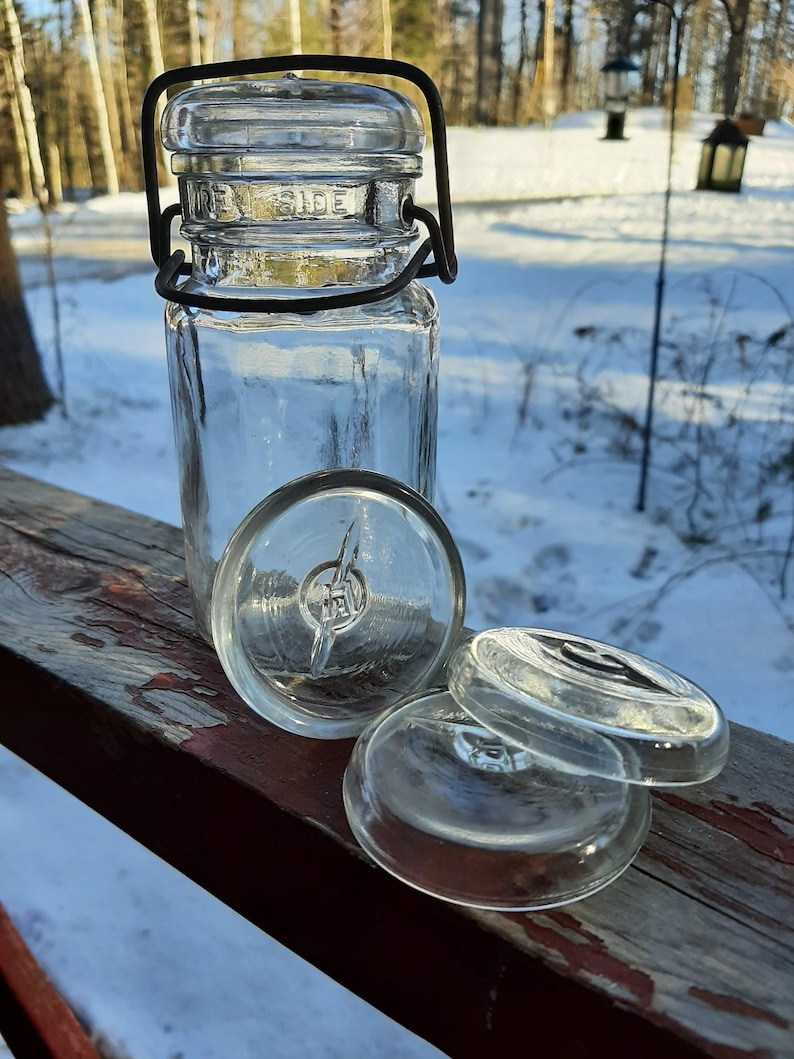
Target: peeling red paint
point(186, 685)
point(770, 810)
point(589, 956)
point(89, 641)
point(168, 681)
point(727, 1051)
point(749, 826)
point(735, 1006)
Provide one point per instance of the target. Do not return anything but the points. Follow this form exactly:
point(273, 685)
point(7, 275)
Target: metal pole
point(660, 280)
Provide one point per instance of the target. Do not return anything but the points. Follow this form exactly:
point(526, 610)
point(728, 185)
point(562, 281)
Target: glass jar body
point(260, 399)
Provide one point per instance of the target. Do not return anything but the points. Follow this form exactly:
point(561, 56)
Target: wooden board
point(105, 687)
point(34, 1019)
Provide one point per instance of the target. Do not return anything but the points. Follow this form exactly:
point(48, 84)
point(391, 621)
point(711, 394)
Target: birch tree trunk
point(239, 28)
point(156, 67)
point(27, 113)
point(109, 86)
point(24, 188)
point(385, 16)
point(549, 85)
point(773, 104)
point(698, 22)
point(98, 95)
point(295, 29)
point(212, 18)
point(193, 33)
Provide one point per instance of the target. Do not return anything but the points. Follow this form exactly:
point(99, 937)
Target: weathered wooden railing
point(105, 688)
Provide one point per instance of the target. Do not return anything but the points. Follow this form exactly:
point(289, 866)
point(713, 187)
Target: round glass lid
point(590, 708)
point(337, 596)
point(450, 808)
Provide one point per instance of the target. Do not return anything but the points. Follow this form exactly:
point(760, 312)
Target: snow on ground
point(545, 352)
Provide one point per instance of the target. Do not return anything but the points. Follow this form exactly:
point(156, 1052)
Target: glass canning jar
point(293, 192)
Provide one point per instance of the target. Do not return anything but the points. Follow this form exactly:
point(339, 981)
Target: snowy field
point(545, 352)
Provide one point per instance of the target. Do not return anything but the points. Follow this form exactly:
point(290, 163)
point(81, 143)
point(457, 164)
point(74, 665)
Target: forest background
point(74, 71)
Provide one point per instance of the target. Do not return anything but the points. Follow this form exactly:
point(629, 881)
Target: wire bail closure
point(440, 241)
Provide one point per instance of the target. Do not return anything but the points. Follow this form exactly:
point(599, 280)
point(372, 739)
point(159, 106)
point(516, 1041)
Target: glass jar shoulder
point(414, 306)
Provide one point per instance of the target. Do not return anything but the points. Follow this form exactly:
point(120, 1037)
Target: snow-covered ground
point(545, 352)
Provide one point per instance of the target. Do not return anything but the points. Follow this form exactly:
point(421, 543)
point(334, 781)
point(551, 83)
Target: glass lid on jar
point(589, 708)
point(339, 595)
point(295, 115)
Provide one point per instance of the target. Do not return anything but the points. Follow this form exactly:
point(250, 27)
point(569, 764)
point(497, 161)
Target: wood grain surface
point(105, 687)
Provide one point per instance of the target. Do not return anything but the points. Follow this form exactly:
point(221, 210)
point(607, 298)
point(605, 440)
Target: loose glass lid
point(337, 596)
point(589, 708)
point(452, 809)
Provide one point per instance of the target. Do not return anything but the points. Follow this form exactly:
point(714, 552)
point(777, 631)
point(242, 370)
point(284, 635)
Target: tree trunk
point(628, 13)
point(98, 97)
point(23, 186)
point(240, 30)
point(773, 104)
point(738, 13)
point(24, 394)
point(109, 90)
point(518, 78)
point(295, 29)
point(385, 15)
point(568, 40)
point(549, 86)
point(460, 98)
point(130, 132)
point(697, 26)
point(193, 32)
point(25, 102)
point(212, 19)
point(489, 61)
point(156, 67)
point(335, 25)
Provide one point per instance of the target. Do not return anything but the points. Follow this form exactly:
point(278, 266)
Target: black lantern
point(616, 95)
point(722, 159)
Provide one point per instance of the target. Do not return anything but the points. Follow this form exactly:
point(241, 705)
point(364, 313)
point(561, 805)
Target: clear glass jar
point(294, 188)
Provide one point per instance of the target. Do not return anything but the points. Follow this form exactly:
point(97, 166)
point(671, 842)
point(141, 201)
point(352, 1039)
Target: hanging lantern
point(722, 159)
point(616, 75)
